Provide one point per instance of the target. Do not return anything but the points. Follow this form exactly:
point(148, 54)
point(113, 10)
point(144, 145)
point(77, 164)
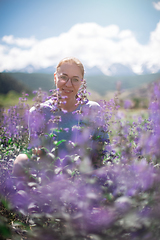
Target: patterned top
point(64, 129)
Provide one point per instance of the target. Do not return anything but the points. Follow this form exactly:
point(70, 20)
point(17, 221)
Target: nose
point(69, 83)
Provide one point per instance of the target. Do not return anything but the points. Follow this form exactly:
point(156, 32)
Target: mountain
point(118, 69)
point(100, 84)
point(8, 83)
point(105, 84)
point(34, 81)
point(50, 70)
point(32, 69)
point(93, 71)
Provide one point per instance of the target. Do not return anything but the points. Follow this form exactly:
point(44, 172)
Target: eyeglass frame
point(65, 81)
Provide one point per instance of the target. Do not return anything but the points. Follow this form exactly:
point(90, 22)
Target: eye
point(75, 80)
point(63, 77)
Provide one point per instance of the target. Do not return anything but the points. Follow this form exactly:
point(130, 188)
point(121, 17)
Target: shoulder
point(91, 105)
point(44, 107)
point(91, 109)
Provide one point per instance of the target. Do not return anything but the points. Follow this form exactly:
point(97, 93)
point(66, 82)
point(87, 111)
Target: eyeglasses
point(74, 80)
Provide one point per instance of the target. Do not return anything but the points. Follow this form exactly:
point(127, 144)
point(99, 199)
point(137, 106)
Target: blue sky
point(53, 23)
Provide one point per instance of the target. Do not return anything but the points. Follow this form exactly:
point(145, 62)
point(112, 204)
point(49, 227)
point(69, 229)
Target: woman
point(67, 123)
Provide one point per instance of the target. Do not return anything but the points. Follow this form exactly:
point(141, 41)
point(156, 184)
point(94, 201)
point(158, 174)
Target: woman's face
point(68, 79)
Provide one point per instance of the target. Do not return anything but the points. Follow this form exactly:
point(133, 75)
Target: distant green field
point(100, 87)
point(12, 99)
point(104, 84)
point(100, 84)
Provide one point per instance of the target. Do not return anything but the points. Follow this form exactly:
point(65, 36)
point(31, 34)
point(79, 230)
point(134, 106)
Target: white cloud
point(93, 44)
point(156, 5)
point(92, 29)
point(21, 42)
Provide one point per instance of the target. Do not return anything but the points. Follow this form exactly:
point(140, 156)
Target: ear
point(55, 78)
point(82, 81)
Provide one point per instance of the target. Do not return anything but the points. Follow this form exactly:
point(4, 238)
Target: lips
point(67, 91)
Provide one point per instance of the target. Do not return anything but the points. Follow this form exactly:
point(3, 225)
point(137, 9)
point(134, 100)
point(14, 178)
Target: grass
point(12, 99)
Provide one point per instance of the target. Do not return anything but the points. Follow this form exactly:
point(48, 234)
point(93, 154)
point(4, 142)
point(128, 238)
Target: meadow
point(117, 201)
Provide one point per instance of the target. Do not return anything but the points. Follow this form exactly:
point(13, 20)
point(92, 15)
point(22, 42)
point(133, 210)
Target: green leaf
point(28, 153)
point(5, 231)
point(44, 149)
point(5, 203)
point(10, 140)
point(59, 142)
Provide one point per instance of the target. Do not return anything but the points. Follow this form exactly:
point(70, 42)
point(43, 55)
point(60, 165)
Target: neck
point(69, 104)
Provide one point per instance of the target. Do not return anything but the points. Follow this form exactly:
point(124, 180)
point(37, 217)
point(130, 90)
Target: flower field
point(73, 201)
